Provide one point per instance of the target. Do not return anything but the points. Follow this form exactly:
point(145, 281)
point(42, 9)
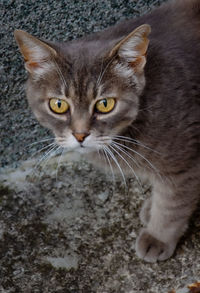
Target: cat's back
point(173, 76)
point(176, 25)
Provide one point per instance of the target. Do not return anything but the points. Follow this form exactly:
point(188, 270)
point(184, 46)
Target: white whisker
point(52, 154)
point(98, 151)
point(126, 153)
point(58, 162)
point(46, 160)
point(103, 154)
point(40, 141)
point(111, 168)
point(133, 141)
point(100, 73)
point(60, 73)
point(140, 155)
point(116, 162)
point(127, 165)
point(104, 71)
point(45, 156)
point(39, 151)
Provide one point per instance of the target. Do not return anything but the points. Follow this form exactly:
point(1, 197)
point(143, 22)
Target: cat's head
point(85, 91)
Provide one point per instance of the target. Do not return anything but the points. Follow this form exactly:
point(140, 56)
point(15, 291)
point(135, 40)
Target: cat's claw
point(151, 249)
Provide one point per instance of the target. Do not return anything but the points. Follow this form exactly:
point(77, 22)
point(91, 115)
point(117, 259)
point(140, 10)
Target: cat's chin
point(81, 150)
point(84, 150)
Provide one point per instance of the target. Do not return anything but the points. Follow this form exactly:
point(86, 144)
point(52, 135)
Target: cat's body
point(153, 124)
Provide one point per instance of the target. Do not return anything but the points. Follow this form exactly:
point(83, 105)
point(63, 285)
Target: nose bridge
point(80, 123)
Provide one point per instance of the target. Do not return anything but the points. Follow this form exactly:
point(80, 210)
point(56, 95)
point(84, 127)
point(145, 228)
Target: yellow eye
point(58, 106)
point(105, 105)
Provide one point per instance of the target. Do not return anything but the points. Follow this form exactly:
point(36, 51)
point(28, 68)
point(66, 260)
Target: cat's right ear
point(132, 49)
point(37, 54)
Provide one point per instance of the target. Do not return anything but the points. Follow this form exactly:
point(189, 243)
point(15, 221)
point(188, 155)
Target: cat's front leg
point(145, 212)
point(168, 219)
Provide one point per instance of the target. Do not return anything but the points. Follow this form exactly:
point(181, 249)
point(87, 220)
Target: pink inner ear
point(138, 64)
point(29, 56)
point(142, 47)
point(33, 66)
point(26, 52)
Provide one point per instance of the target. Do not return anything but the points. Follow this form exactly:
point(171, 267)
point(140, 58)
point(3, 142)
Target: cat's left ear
point(132, 49)
point(38, 55)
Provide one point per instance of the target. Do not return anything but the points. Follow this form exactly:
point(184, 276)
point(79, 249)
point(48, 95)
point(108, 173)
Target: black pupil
point(105, 102)
point(59, 104)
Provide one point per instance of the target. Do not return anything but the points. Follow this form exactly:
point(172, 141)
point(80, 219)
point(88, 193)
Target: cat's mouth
point(90, 144)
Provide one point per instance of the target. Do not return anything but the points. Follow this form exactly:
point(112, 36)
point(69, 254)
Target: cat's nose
point(80, 136)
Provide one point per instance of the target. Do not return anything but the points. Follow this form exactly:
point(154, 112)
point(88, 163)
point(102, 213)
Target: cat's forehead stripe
point(82, 87)
point(91, 90)
point(71, 93)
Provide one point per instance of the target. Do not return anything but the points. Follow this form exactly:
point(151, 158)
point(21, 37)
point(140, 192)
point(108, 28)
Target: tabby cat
point(132, 92)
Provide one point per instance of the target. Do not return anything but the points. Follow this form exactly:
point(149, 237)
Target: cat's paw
point(145, 211)
point(151, 249)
